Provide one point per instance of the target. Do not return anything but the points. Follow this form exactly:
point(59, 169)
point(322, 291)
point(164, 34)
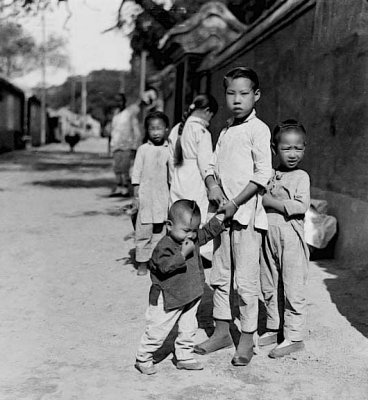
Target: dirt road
point(72, 306)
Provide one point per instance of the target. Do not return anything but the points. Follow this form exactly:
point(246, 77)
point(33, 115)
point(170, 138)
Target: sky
point(88, 48)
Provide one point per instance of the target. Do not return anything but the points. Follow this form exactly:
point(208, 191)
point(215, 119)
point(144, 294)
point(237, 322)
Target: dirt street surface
point(72, 306)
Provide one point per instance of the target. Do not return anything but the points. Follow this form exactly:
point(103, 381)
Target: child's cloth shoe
point(279, 351)
point(267, 338)
point(191, 365)
point(142, 268)
point(146, 368)
point(213, 344)
point(244, 351)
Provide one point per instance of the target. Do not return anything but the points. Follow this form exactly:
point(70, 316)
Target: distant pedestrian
point(239, 171)
point(125, 138)
point(191, 149)
point(285, 255)
point(151, 188)
point(177, 286)
point(107, 126)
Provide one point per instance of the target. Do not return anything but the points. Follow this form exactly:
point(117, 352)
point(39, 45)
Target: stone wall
point(314, 69)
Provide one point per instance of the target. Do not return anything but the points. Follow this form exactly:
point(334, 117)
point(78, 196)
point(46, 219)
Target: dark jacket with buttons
point(180, 280)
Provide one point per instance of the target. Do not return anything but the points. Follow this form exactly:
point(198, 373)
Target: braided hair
point(200, 102)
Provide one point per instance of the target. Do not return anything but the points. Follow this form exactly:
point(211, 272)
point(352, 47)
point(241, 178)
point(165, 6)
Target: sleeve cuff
point(209, 173)
point(294, 209)
point(258, 183)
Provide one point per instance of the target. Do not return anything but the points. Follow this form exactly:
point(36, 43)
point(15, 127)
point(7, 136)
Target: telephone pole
point(84, 102)
point(142, 83)
point(43, 79)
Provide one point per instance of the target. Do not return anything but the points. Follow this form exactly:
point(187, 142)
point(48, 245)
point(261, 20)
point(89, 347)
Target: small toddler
point(177, 286)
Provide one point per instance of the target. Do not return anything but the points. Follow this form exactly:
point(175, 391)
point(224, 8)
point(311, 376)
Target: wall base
point(352, 220)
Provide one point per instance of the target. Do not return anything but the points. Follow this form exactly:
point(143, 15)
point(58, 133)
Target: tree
point(14, 8)
point(17, 49)
point(102, 87)
point(20, 54)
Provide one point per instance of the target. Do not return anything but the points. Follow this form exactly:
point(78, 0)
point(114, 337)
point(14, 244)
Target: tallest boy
point(239, 170)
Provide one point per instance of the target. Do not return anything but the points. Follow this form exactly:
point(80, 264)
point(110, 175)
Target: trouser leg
point(294, 276)
point(270, 280)
point(246, 243)
point(220, 277)
point(159, 323)
point(143, 240)
point(187, 328)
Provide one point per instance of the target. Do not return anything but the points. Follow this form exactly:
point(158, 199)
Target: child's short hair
point(289, 124)
point(183, 206)
point(156, 115)
point(242, 72)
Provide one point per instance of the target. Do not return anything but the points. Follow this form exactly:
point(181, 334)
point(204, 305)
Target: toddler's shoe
point(146, 368)
point(190, 365)
point(281, 351)
point(267, 339)
point(142, 268)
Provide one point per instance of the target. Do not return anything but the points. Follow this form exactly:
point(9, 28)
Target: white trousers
point(159, 323)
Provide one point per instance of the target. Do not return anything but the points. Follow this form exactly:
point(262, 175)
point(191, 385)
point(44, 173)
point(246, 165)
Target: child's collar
point(199, 120)
point(233, 122)
point(165, 143)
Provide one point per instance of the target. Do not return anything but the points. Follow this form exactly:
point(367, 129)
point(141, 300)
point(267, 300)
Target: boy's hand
point(228, 210)
point(187, 248)
point(267, 200)
point(216, 195)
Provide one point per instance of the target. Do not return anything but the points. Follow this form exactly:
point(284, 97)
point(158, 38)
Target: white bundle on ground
point(319, 228)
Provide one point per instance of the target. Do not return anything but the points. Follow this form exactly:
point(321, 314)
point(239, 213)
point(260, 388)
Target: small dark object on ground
point(72, 140)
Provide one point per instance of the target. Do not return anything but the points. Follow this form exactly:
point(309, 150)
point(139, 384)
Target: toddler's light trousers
point(159, 323)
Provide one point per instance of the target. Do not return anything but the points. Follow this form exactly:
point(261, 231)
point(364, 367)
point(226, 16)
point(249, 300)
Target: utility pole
point(43, 79)
point(72, 94)
point(84, 102)
point(142, 83)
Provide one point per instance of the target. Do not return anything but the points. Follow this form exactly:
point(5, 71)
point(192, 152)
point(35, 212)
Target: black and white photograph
point(184, 199)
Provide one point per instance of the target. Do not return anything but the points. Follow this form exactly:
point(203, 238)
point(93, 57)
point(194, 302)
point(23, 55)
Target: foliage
point(20, 54)
point(150, 26)
point(102, 87)
point(16, 49)
point(56, 55)
point(16, 8)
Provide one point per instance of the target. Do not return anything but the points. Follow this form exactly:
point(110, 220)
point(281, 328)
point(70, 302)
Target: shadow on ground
point(54, 161)
point(348, 290)
point(72, 183)
point(112, 212)
point(206, 322)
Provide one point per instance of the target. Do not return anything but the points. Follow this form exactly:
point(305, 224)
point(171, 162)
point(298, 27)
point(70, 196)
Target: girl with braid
point(190, 149)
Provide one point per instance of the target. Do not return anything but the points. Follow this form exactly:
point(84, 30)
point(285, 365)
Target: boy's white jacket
point(243, 155)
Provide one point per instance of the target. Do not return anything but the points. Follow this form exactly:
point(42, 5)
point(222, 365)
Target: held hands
point(187, 248)
point(228, 209)
point(267, 200)
point(216, 195)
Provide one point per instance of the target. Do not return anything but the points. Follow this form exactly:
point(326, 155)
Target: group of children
point(257, 231)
